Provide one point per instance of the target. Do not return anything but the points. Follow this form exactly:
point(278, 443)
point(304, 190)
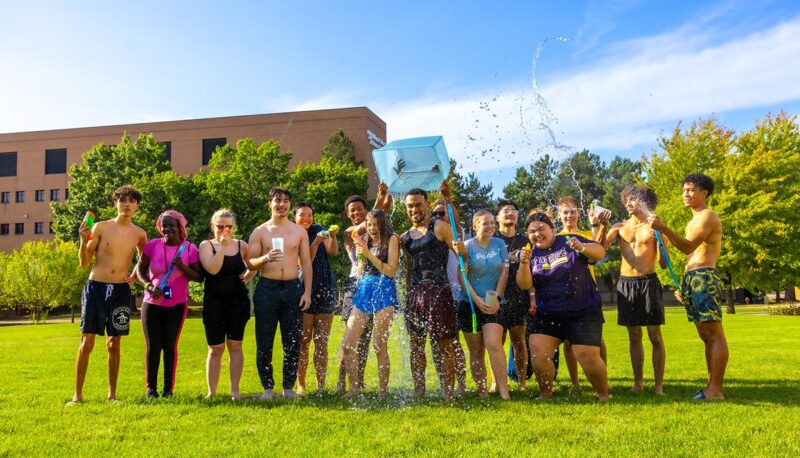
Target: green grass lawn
point(761, 416)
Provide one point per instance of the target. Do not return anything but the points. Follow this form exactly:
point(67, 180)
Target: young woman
point(567, 302)
point(487, 270)
point(164, 307)
point(226, 304)
point(318, 317)
point(375, 296)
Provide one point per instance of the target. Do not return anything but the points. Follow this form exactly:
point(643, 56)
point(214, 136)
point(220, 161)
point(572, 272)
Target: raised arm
point(308, 273)
point(608, 239)
point(706, 223)
point(87, 247)
point(383, 200)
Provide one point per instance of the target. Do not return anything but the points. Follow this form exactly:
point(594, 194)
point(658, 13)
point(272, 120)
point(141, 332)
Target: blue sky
point(626, 72)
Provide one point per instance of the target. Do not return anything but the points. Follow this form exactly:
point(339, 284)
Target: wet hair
point(700, 180)
point(568, 200)
point(300, 205)
point(539, 215)
point(352, 199)
point(223, 213)
point(383, 227)
point(476, 218)
point(506, 202)
point(440, 201)
point(279, 192)
point(127, 191)
point(640, 193)
point(417, 192)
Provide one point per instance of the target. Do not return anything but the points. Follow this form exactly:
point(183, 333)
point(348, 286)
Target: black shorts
point(429, 310)
point(583, 330)
point(518, 304)
point(640, 301)
point(225, 319)
point(106, 307)
point(506, 316)
point(323, 301)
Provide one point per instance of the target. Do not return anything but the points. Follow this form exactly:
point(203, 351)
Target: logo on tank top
point(120, 318)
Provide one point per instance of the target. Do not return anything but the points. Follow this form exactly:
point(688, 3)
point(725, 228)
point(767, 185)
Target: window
point(38, 228)
point(55, 161)
point(8, 164)
point(40, 195)
point(54, 194)
point(167, 150)
point(209, 146)
point(50, 228)
point(19, 228)
point(20, 196)
point(3, 229)
point(5, 197)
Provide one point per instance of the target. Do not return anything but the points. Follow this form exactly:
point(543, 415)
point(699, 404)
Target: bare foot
point(383, 395)
point(637, 387)
point(483, 394)
point(659, 391)
point(352, 394)
point(544, 396)
point(235, 396)
point(505, 396)
point(575, 387)
point(289, 394)
point(267, 395)
point(604, 398)
point(75, 401)
point(301, 390)
point(493, 388)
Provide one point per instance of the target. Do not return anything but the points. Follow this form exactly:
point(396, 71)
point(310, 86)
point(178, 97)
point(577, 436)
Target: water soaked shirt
point(485, 264)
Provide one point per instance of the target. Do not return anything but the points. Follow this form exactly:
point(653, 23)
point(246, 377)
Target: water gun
point(88, 220)
point(354, 235)
point(327, 232)
point(463, 269)
point(171, 268)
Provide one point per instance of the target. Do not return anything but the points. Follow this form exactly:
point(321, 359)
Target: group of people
point(535, 286)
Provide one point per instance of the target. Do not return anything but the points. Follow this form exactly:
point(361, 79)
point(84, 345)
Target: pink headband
point(178, 217)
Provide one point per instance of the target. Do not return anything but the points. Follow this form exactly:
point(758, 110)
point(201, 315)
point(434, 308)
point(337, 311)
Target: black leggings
point(162, 329)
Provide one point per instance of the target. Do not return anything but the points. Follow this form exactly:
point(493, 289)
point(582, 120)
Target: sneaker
point(166, 394)
point(152, 394)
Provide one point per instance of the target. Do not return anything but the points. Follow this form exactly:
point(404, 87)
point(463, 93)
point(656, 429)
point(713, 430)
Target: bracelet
point(149, 287)
point(595, 224)
point(583, 248)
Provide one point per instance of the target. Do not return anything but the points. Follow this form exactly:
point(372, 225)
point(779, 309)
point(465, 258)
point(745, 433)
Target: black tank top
point(226, 283)
point(429, 256)
point(382, 254)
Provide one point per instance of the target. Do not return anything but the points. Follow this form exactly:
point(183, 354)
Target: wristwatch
point(595, 224)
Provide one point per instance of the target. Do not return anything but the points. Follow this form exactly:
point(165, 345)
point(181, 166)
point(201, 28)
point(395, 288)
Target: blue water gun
point(463, 269)
point(171, 268)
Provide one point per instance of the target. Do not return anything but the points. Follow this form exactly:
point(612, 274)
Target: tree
point(240, 178)
point(43, 275)
point(701, 148)
point(531, 187)
point(582, 176)
point(759, 205)
point(619, 173)
point(469, 194)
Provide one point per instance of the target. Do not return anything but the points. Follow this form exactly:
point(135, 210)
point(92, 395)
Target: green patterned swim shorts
point(700, 291)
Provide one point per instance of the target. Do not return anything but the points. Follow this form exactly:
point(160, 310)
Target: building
point(33, 165)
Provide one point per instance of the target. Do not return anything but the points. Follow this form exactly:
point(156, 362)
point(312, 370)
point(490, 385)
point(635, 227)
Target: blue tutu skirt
point(374, 293)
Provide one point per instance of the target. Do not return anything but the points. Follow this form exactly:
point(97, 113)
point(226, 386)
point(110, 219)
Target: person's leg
point(305, 341)
point(236, 362)
point(418, 362)
point(214, 367)
point(153, 340)
point(113, 346)
point(363, 349)
point(477, 362)
point(594, 367)
point(572, 365)
point(382, 328)
point(461, 365)
point(291, 331)
point(659, 356)
point(445, 366)
point(603, 351)
point(82, 364)
point(543, 347)
point(355, 328)
point(517, 337)
point(347, 307)
point(175, 317)
point(493, 341)
point(322, 331)
point(713, 336)
point(637, 356)
point(266, 315)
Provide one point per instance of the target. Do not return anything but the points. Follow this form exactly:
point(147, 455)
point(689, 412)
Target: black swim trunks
point(106, 307)
point(583, 330)
point(640, 301)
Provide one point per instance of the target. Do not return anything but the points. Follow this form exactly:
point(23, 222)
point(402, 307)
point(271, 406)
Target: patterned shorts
point(700, 291)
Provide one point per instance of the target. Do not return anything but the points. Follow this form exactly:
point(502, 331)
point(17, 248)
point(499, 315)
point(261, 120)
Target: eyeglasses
point(438, 214)
point(224, 226)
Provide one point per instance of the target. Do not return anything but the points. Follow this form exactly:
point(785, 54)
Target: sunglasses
point(224, 226)
point(438, 214)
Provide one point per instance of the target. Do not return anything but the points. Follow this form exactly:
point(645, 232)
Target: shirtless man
point(279, 296)
point(639, 293)
point(106, 298)
point(429, 306)
point(700, 289)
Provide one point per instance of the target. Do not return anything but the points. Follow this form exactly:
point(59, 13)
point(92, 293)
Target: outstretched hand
point(656, 222)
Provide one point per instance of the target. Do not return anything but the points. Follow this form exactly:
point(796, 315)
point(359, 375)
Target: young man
point(639, 293)
point(700, 287)
point(429, 301)
point(519, 300)
point(355, 208)
point(276, 248)
point(106, 298)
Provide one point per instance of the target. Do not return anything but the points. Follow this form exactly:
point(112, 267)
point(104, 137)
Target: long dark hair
point(384, 230)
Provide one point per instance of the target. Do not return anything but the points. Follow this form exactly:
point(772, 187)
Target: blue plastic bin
point(412, 163)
